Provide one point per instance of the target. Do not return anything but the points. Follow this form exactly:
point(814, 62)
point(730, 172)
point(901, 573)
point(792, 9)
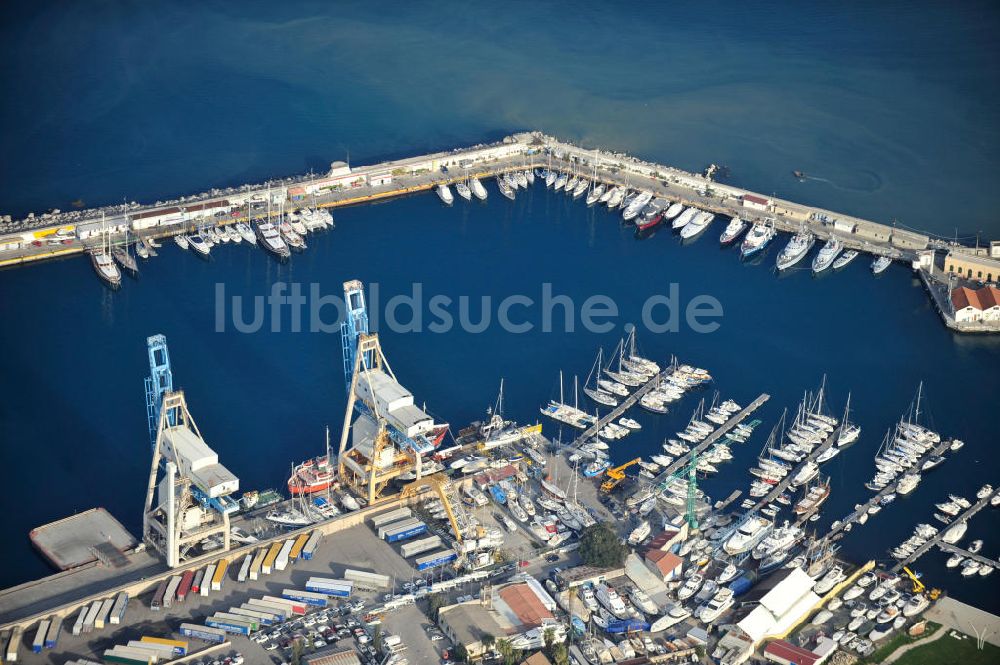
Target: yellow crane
point(437, 483)
point(920, 587)
point(617, 474)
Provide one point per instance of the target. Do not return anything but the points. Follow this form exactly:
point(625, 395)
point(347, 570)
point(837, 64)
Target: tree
point(488, 640)
point(560, 654)
point(460, 654)
point(508, 654)
point(601, 547)
point(435, 602)
point(550, 637)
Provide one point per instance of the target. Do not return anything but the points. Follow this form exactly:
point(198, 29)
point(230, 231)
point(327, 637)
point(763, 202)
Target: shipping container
point(297, 607)
point(128, 656)
point(206, 633)
point(258, 561)
point(220, 574)
point(307, 597)
point(39, 642)
point(406, 534)
point(296, 550)
point(157, 602)
point(281, 611)
point(13, 645)
point(365, 580)
point(281, 561)
point(55, 628)
point(436, 559)
point(391, 516)
point(250, 621)
point(230, 626)
point(88, 623)
point(199, 577)
point(401, 524)
point(206, 582)
point(118, 609)
point(161, 651)
point(260, 617)
point(171, 593)
point(272, 554)
point(78, 624)
point(180, 647)
point(244, 573)
point(420, 546)
point(330, 587)
point(311, 544)
point(103, 613)
point(187, 579)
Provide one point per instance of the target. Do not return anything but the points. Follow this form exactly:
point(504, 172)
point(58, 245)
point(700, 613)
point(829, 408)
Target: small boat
point(880, 264)
point(595, 194)
point(444, 193)
point(463, 190)
point(182, 241)
point(733, 230)
point(845, 258)
point(975, 546)
point(271, 240)
point(246, 232)
point(477, 189)
point(505, 188)
point(125, 260)
point(796, 249)
point(697, 225)
point(629, 423)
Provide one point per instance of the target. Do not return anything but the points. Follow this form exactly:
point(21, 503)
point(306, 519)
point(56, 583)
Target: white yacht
point(721, 601)
point(463, 190)
point(845, 259)
point(700, 222)
point(246, 232)
point(757, 239)
point(833, 577)
point(610, 599)
point(642, 601)
point(733, 230)
point(749, 533)
point(478, 189)
point(690, 586)
point(271, 240)
point(880, 264)
point(808, 471)
point(182, 241)
point(444, 193)
point(955, 533)
point(616, 198)
point(595, 194)
point(684, 218)
point(635, 207)
point(106, 267)
point(780, 539)
point(796, 249)
point(674, 210)
point(639, 533)
point(198, 244)
point(505, 187)
point(827, 255)
point(908, 483)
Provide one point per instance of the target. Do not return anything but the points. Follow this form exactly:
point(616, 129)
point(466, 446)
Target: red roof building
point(980, 305)
point(665, 565)
point(787, 653)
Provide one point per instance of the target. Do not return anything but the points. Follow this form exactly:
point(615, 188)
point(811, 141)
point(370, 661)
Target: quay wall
point(351, 186)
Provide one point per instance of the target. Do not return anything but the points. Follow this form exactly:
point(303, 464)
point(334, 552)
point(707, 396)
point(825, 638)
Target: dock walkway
point(626, 404)
point(851, 518)
point(978, 558)
point(712, 438)
point(787, 480)
point(936, 540)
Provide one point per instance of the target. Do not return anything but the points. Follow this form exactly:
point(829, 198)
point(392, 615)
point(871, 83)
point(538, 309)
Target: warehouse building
point(982, 305)
point(968, 266)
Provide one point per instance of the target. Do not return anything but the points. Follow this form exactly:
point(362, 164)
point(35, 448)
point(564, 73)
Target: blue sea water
point(891, 106)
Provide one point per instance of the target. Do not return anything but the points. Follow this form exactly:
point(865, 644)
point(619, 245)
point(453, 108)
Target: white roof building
point(781, 606)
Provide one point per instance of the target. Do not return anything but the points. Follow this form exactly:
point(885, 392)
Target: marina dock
point(853, 517)
point(59, 234)
point(936, 540)
point(712, 438)
point(626, 404)
point(787, 480)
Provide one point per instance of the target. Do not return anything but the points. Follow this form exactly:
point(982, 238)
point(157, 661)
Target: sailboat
point(104, 265)
point(597, 393)
point(849, 432)
point(564, 413)
point(124, 258)
point(505, 187)
point(463, 190)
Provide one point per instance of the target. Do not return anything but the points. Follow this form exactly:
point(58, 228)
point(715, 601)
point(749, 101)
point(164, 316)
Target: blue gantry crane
point(159, 381)
point(355, 324)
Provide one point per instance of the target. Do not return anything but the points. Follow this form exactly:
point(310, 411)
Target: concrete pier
point(936, 540)
point(54, 235)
